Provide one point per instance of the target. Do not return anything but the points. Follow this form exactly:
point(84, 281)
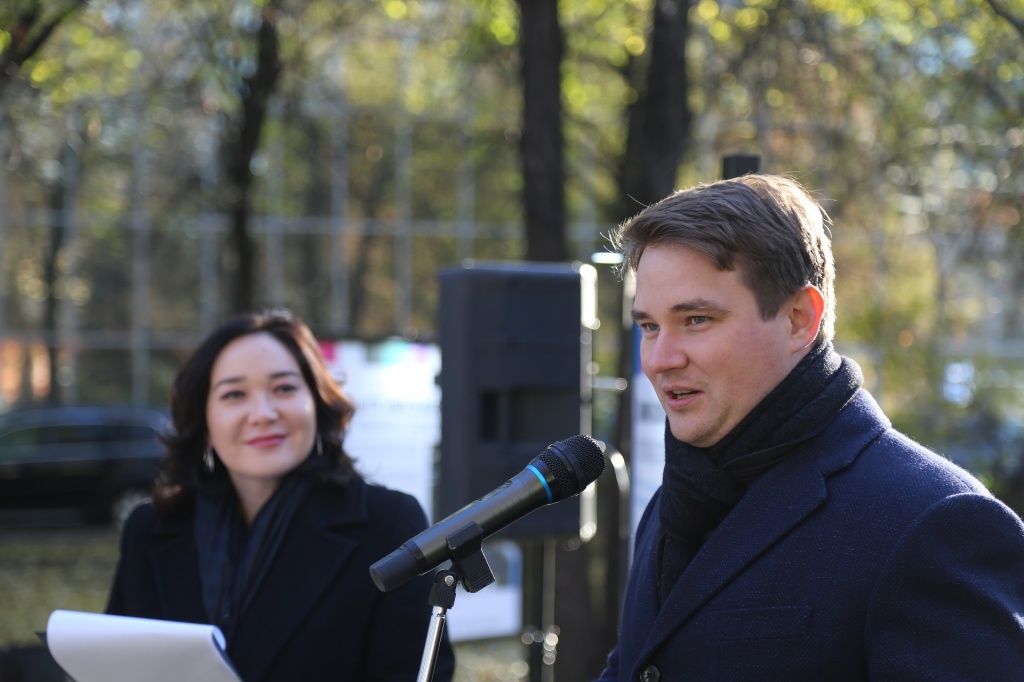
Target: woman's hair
point(765, 226)
point(182, 472)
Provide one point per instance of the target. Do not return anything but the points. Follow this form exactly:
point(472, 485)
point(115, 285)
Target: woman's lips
point(266, 441)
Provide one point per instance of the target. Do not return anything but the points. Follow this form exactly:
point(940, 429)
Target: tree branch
point(1016, 22)
point(28, 36)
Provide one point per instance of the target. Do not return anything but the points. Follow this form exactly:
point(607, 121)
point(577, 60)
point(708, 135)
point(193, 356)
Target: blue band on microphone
point(544, 483)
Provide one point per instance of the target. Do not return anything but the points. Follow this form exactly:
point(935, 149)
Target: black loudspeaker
point(515, 354)
point(736, 165)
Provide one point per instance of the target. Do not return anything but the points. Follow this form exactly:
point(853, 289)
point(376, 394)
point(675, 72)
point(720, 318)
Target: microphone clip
point(468, 560)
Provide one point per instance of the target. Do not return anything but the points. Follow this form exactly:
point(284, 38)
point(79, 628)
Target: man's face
point(705, 348)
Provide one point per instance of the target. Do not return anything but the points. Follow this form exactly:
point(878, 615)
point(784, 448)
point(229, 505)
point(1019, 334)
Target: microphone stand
point(470, 567)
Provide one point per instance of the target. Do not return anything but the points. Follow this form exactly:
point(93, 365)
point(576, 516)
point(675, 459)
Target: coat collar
point(774, 505)
point(310, 558)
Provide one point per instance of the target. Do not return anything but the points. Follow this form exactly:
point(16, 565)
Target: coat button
point(650, 674)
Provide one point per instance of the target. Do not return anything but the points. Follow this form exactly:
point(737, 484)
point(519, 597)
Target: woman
point(261, 526)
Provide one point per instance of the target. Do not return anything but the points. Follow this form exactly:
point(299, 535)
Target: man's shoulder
point(902, 455)
point(885, 454)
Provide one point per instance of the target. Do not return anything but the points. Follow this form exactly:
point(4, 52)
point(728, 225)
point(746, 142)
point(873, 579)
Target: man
point(796, 535)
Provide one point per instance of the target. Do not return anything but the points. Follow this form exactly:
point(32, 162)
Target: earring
point(208, 461)
point(319, 446)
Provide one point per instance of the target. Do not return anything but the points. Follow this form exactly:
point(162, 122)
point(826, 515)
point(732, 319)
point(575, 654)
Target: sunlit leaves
point(706, 10)
point(503, 29)
point(45, 71)
point(844, 91)
point(1009, 72)
point(749, 18)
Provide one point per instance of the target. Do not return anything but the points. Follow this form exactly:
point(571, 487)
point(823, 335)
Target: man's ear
point(806, 309)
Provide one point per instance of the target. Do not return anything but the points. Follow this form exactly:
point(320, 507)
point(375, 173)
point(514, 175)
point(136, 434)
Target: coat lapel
point(308, 563)
point(777, 502)
point(175, 565)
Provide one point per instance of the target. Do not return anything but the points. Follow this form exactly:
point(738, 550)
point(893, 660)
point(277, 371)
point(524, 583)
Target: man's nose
point(664, 352)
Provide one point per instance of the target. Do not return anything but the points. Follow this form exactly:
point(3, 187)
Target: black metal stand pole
point(470, 567)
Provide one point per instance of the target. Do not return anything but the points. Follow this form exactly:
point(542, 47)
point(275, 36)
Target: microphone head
point(575, 463)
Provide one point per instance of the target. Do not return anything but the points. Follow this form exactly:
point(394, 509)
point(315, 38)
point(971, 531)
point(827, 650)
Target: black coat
point(318, 615)
point(861, 557)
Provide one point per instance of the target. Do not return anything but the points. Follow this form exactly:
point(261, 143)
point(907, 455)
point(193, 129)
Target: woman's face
point(260, 413)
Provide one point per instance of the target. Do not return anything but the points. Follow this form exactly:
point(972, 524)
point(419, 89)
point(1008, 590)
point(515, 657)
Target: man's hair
point(765, 226)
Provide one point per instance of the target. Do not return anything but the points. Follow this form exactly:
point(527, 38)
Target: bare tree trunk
point(381, 178)
point(659, 130)
point(660, 120)
point(318, 203)
point(61, 196)
point(659, 133)
point(240, 147)
point(541, 145)
point(50, 275)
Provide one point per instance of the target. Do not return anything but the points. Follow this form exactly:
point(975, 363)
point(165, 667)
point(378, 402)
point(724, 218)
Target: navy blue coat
point(862, 557)
point(317, 616)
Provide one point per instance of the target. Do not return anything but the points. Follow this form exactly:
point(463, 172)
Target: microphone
point(561, 471)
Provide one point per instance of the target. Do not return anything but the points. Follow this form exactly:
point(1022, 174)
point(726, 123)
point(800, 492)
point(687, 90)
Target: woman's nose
point(263, 408)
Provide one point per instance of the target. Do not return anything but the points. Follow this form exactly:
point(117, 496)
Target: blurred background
point(164, 165)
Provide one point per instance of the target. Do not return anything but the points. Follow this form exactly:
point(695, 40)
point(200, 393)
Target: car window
point(74, 434)
point(130, 432)
point(27, 437)
point(52, 434)
point(80, 437)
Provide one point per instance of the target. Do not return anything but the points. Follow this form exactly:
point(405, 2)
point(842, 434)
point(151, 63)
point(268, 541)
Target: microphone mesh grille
point(565, 483)
point(588, 454)
point(589, 459)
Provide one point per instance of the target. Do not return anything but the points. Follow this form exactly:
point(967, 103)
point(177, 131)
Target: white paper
point(95, 647)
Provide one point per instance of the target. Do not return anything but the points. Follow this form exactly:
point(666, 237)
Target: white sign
point(394, 435)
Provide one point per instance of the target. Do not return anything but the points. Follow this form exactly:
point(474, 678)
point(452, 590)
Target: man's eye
point(699, 319)
point(648, 326)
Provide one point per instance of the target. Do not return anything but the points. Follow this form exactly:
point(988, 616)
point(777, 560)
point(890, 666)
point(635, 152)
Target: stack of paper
point(94, 647)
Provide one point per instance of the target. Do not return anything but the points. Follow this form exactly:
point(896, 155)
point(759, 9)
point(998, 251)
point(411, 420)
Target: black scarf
point(233, 558)
point(700, 486)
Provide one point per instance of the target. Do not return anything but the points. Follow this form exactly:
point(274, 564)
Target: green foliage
point(41, 573)
point(904, 115)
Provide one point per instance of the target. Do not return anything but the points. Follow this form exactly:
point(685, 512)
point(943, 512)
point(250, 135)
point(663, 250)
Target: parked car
point(100, 461)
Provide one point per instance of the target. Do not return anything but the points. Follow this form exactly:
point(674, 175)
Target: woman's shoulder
point(144, 517)
point(140, 527)
point(379, 491)
point(383, 503)
point(370, 500)
point(147, 520)
point(379, 495)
